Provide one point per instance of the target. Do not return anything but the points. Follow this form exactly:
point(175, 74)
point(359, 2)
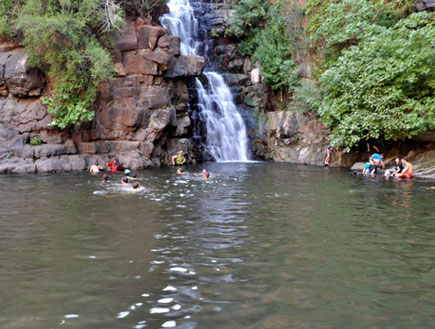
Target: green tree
point(68, 40)
point(383, 88)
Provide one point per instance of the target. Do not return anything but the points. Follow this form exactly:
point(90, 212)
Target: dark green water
point(259, 246)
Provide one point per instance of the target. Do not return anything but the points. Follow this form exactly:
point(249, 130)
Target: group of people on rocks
point(402, 168)
point(117, 167)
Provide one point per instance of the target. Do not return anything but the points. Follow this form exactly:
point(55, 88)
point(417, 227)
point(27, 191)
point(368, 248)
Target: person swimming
point(205, 174)
point(124, 181)
point(95, 169)
point(105, 179)
point(135, 186)
point(133, 176)
point(180, 171)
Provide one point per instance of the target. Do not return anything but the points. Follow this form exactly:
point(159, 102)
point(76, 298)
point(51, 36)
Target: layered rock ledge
point(141, 115)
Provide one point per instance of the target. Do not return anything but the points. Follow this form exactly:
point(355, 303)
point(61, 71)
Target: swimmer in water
point(105, 179)
point(180, 171)
point(205, 174)
point(95, 169)
point(124, 181)
point(133, 177)
point(135, 186)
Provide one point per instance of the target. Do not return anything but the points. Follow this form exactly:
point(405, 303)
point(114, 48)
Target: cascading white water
point(226, 137)
point(226, 132)
point(182, 23)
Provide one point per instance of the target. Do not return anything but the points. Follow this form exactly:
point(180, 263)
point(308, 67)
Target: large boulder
point(160, 119)
point(17, 166)
point(186, 66)
point(149, 35)
point(171, 43)
point(157, 55)
point(21, 80)
point(128, 39)
point(134, 63)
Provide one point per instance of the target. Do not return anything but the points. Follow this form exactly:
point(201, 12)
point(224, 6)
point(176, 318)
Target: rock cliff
point(141, 115)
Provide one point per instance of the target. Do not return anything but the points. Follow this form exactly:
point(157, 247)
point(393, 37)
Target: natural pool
point(261, 245)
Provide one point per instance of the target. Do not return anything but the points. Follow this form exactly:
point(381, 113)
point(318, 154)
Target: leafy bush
point(263, 28)
point(35, 140)
point(248, 17)
point(383, 88)
point(337, 24)
point(68, 40)
point(277, 66)
point(308, 96)
point(7, 14)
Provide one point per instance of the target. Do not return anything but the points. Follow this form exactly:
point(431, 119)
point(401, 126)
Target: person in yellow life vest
point(179, 159)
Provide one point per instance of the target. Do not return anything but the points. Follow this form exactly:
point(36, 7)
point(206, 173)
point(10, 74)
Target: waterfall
point(226, 137)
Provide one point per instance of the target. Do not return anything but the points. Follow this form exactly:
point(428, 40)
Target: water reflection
point(257, 246)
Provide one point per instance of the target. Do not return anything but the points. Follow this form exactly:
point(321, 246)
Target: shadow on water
point(259, 245)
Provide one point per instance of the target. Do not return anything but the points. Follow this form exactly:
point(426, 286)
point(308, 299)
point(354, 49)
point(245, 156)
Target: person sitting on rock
point(179, 159)
point(398, 168)
point(105, 179)
point(95, 169)
point(408, 170)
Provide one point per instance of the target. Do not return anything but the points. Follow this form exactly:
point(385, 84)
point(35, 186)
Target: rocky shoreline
point(142, 115)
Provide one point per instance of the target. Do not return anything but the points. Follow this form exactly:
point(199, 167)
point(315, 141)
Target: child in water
point(135, 186)
point(105, 179)
point(124, 181)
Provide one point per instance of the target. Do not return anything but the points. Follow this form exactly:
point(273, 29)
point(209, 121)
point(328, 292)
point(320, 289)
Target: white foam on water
point(92, 257)
point(71, 316)
point(145, 295)
point(178, 269)
point(122, 315)
point(169, 324)
point(157, 262)
point(165, 300)
point(170, 288)
point(176, 307)
point(159, 310)
point(195, 288)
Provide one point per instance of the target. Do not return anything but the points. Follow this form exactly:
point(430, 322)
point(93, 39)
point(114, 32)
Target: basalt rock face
point(141, 115)
point(285, 136)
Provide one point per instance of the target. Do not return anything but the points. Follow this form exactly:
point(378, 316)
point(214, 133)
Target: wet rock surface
point(141, 115)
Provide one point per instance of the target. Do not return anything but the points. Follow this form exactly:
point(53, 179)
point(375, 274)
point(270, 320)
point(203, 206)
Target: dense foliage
point(374, 62)
point(264, 31)
point(67, 40)
point(383, 88)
